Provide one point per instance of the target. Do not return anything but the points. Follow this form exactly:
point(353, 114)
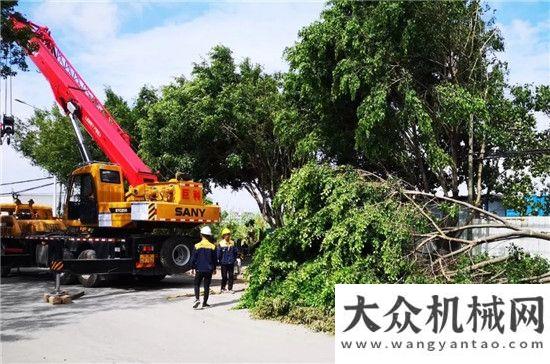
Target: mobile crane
point(108, 228)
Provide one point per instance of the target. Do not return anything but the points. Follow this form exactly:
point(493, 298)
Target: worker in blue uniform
point(203, 263)
point(227, 256)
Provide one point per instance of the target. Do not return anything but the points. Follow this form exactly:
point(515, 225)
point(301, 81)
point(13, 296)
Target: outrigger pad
point(62, 298)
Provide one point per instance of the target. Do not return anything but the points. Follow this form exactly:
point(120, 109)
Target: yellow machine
point(19, 224)
point(17, 219)
point(97, 197)
point(107, 228)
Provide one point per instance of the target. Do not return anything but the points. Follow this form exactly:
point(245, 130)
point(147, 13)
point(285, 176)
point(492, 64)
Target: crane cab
point(97, 197)
point(93, 189)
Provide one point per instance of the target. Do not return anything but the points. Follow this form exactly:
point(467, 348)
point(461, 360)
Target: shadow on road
point(226, 303)
point(24, 312)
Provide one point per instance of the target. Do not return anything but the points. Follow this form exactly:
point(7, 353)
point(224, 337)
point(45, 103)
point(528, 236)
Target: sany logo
point(190, 212)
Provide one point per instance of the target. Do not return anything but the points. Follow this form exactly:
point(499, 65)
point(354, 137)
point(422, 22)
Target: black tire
point(175, 254)
point(89, 280)
point(151, 279)
point(6, 269)
point(66, 277)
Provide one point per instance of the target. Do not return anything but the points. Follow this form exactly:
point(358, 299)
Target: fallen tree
point(454, 235)
point(343, 225)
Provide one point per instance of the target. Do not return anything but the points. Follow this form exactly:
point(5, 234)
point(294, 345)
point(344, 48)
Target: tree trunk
point(272, 216)
point(480, 174)
point(471, 159)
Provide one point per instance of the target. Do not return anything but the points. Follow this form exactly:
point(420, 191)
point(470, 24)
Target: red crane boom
point(69, 87)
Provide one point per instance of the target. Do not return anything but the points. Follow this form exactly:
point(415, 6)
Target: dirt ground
point(144, 323)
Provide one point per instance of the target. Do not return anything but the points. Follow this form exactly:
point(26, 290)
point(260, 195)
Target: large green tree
point(218, 127)
point(415, 90)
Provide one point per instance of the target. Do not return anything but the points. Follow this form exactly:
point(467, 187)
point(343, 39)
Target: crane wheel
point(175, 254)
point(89, 280)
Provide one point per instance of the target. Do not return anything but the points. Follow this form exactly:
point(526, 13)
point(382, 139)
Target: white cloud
point(92, 21)
point(155, 56)
point(231, 200)
point(527, 51)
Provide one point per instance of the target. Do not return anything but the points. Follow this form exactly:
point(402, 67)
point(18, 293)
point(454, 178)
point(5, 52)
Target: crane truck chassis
point(150, 249)
point(118, 218)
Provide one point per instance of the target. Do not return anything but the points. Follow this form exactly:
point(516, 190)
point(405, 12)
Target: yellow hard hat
point(226, 231)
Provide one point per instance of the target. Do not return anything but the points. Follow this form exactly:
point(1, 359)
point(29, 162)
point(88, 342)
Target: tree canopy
point(219, 127)
point(416, 90)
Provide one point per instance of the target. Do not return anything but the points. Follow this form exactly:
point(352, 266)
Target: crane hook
point(7, 129)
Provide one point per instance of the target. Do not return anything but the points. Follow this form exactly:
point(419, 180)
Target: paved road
point(129, 323)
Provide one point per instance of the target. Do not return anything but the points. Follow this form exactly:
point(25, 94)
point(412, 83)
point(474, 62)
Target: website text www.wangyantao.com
point(441, 345)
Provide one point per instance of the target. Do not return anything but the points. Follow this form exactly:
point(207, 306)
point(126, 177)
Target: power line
point(25, 190)
point(25, 181)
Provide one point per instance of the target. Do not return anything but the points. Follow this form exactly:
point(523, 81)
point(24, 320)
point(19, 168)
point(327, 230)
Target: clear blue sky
point(534, 11)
